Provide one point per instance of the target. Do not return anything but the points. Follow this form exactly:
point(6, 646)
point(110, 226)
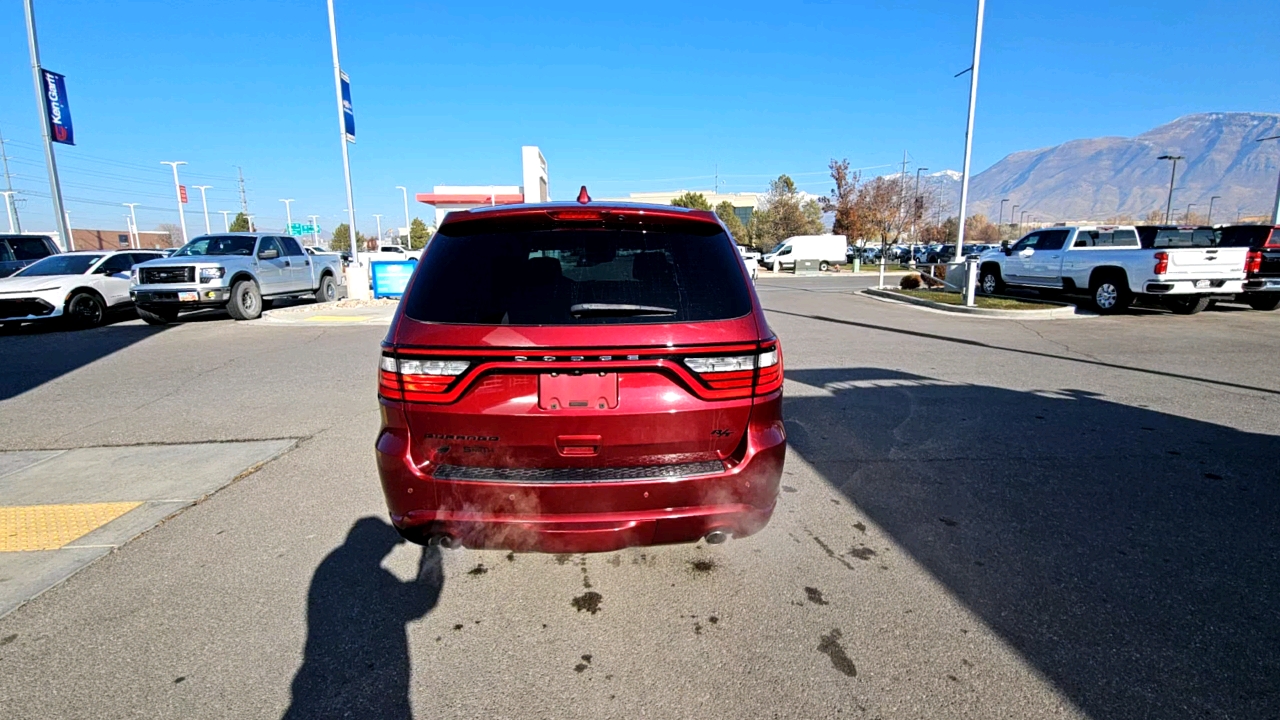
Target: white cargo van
point(826, 250)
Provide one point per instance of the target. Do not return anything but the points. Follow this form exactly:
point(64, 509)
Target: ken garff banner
point(348, 114)
point(55, 101)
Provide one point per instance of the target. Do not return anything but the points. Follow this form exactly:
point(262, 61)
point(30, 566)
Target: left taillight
point(740, 375)
point(1253, 263)
point(417, 379)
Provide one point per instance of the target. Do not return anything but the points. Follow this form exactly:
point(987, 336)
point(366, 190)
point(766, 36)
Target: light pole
point(1209, 220)
point(205, 202)
point(968, 130)
point(288, 214)
point(408, 225)
point(1187, 217)
point(379, 219)
point(1021, 218)
point(315, 229)
point(8, 206)
point(1013, 212)
point(251, 227)
point(1275, 207)
point(177, 191)
point(51, 161)
point(226, 224)
point(1000, 220)
point(1168, 208)
point(342, 136)
point(133, 215)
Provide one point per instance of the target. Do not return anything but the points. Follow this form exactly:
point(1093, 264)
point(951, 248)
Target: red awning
point(469, 199)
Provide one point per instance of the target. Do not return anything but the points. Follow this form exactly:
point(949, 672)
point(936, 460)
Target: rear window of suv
point(579, 277)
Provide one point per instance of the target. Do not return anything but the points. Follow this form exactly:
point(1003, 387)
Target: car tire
point(989, 281)
point(1267, 302)
point(1187, 304)
point(824, 266)
point(85, 310)
point(1110, 294)
point(157, 316)
point(328, 290)
point(246, 301)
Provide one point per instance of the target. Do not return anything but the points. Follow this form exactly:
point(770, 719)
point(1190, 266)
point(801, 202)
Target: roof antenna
point(583, 197)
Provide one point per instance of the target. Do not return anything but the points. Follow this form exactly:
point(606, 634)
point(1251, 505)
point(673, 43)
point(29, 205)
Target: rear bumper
point(1189, 287)
point(1268, 284)
point(597, 516)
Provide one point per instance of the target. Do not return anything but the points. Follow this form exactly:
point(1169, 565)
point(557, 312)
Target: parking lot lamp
point(177, 190)
point(8, 206)
point(1021, 219)
point(378, 217)
point(315, 229)
point(408, 226)
point(133, 216)
point(968, 130)
point(288, 214)
point(1209, 220)
point(1168, 207)
point(1275, 206)
point(226, 224)
point(204, 202)
point(1000, 220)
point(251, 226)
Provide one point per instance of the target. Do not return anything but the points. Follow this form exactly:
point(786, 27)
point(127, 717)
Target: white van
point(827, 250)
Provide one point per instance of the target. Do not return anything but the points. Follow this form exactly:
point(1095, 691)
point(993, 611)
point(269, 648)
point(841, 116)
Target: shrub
point(910, 282)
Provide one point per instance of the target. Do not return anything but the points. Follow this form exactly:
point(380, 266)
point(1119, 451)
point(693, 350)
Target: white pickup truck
point(1115, 267)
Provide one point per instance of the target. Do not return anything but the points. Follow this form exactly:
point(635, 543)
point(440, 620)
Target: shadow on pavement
point(1034, 353)
point(356, 661)
point(38, 353)
point(1130, 556)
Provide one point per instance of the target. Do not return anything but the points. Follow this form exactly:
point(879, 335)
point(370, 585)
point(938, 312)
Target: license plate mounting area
point(578, 391)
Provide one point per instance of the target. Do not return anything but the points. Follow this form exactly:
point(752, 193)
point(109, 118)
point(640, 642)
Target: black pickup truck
point(1262, 284)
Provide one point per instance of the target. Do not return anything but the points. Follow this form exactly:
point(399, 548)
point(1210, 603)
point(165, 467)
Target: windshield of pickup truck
point(218, 245)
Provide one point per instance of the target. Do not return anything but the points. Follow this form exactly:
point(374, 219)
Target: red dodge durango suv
point(580, 377)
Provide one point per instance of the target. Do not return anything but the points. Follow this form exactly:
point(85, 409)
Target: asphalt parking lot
point(981, 518)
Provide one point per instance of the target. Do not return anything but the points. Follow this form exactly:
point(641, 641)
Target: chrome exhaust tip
point(443, 541)
point(715, 537)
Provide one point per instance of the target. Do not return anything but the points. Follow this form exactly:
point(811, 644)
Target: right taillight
point(758, 373)
point(1253, 263)
point(1162, 263)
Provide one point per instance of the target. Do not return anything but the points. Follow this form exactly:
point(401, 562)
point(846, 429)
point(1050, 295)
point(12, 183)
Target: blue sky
point(620, 97)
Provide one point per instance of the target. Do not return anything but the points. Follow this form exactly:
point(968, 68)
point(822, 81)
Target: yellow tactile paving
point(49, 527)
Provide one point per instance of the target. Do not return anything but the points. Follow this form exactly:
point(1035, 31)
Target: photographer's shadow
point(356, 661)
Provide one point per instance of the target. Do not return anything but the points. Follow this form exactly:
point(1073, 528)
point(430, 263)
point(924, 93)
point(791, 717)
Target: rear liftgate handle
point(578, 445)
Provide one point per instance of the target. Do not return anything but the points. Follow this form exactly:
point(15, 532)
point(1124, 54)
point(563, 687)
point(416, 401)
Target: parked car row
point(1184, 269)
point(239, 272)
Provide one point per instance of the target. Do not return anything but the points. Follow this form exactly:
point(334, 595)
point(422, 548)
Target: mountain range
point(1119, 178)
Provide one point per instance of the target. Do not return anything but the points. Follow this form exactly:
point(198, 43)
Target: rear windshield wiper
point(618, 310)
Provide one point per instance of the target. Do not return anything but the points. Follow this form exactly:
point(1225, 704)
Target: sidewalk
point(342, 312)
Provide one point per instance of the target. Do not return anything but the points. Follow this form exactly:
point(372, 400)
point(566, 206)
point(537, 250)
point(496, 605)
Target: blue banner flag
point(55, 101)
point(348, 113)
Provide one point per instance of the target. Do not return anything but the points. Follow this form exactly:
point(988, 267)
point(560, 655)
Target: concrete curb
point(1064, 311)
point(321, 319)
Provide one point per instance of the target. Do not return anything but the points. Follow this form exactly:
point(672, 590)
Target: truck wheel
point(1110, 294)
point(328, 290)
point(1270, 301)
point(824, 266)
point(246, 301)
point(990, 281)
point(85, 310)
point(1187, 304)
point(157, 316)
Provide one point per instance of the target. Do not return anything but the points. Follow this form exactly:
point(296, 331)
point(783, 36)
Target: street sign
point(348, 112)
point(182, 193)
point(59, 111)
point(300, 229)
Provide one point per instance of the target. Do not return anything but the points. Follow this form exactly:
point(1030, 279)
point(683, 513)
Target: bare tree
point(880, 208)
point(174, 232)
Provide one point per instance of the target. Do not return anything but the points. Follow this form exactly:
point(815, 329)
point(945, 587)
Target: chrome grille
point(553, 475)
point(162, 275)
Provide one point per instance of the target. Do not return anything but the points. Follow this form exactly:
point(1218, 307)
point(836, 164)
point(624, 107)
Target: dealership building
point(535, 189)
